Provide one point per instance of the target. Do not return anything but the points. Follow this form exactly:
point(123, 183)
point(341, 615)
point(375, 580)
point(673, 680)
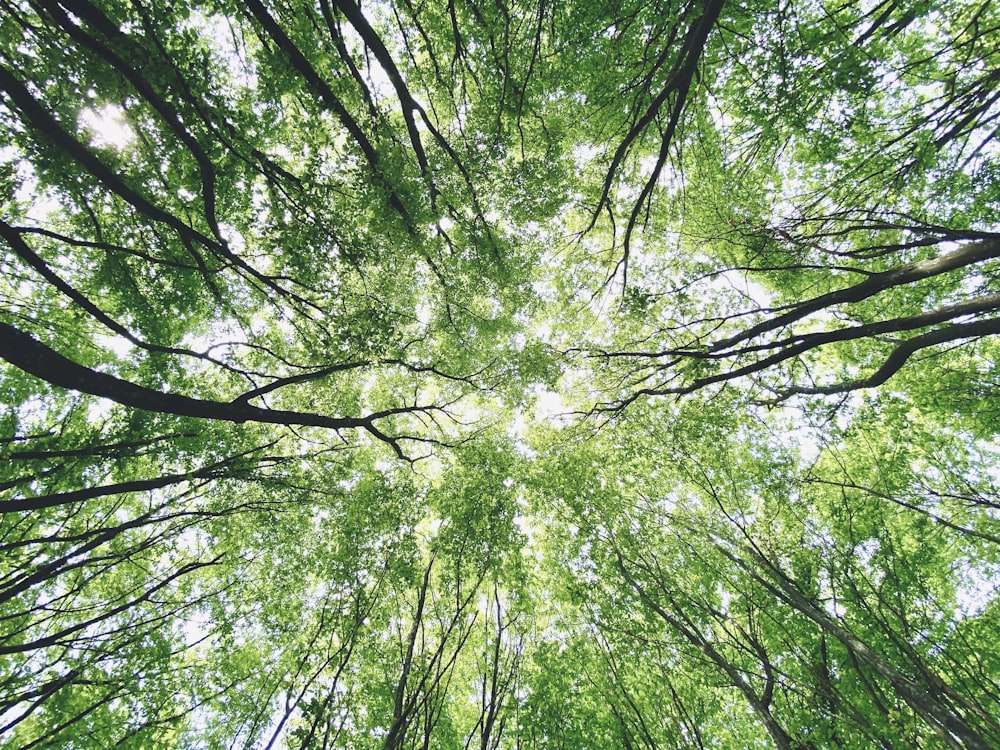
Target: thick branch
point(678, 82)
point(967, 255)
point(42, 121)
point(325, 93)
point(895, 361)
point(37, 359)
point(94, 16)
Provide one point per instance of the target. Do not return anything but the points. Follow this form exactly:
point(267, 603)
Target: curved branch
point(94, 16)
point(967, 255)
point(35, 358)
point(678, 85)
point(42, 121)
point(895, 361)
point(796, 346)
point(13, 237)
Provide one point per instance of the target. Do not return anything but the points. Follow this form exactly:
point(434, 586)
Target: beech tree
point(499, 375)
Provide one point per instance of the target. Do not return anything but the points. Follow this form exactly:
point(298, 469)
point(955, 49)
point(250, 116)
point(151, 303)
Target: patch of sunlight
point(550, 407)
point(978, 589)
point(107, 127)
point(120, 345)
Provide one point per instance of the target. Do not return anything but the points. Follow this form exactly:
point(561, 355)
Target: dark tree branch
point(898, 357)
point(969, 254)
point(35, 358)
point(327, 97)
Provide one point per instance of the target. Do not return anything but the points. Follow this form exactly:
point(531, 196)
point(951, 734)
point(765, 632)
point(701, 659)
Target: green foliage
point(499, 375)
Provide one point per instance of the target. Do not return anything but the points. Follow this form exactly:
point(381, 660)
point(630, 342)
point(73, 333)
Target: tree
point(858, 244)
point(831, 616)
point(291, 294)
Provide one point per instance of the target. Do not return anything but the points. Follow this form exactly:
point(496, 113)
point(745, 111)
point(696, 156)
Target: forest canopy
point(576, 374)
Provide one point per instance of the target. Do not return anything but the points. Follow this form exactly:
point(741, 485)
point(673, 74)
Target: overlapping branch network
point(772, 346)
point(195, 220)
